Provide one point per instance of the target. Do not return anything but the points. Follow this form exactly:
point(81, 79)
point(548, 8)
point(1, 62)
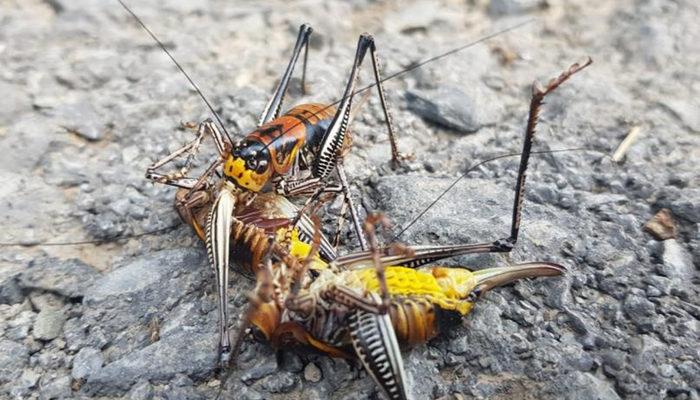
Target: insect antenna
point(413, 67)
point(177, 64)
point(194, 85)
point(94, 241)
point(98, 242)
point(472, 168)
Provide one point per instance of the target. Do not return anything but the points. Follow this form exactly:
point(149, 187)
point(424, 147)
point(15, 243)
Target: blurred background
point(88, 101)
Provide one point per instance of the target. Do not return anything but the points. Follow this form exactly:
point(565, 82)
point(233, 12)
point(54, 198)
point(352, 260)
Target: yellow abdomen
point(446, 288)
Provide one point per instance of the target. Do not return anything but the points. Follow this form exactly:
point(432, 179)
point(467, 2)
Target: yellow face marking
point(235, 169)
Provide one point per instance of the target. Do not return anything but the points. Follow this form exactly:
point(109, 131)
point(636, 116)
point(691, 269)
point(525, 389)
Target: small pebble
point(312, 373)
point(48, 324)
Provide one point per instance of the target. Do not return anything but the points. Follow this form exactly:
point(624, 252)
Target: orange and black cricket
point(294, 154)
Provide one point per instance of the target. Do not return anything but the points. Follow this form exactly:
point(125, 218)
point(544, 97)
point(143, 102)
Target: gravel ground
point(89, 101)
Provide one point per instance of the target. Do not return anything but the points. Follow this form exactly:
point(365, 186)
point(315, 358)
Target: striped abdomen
point(248, 245)
point(414, 319)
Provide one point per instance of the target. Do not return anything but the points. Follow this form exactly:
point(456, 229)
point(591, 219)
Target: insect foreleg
point(274, 105)
point(180, 178)
point(188, 204)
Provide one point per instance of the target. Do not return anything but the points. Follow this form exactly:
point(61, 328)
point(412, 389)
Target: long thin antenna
point(98, 242)
point(447, 53)
point(177, 64)
point(95, 241)
point(473, 167)
point(391, 76)
point(416, 66)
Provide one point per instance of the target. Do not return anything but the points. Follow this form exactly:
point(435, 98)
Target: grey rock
point(82, 119)
point(263, 368)
point(585, 386)
point(414, 17)
point(458, 345)
point(86, 363)
point(638, 307)
point(181, 381)
point(10, 291)
point(682, 203)
point(58, 388)
point(187, 352)
point(49, 358)
point(75, 334)
point(48, 324)
point(182, 393)
point(686, 111)
point(68, 278)
point(241, 391)
point(15, 102)
point(284, 382)
point(25, 384)
point(120, 305)
point(142, 390)
point(312, 373)
point(18, 328)
point(290, 361)
point(46, 301)
point(143, 276)
point(29, 132)
point(620, 323)
point(451, 108)
point(13, 358)
point(678, 263)
point(514, 7)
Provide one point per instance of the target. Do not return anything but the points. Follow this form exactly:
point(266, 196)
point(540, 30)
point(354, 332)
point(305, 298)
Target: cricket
point(347, 200)
point(366, 305)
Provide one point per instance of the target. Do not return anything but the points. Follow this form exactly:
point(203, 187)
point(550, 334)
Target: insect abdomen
point(414, 320)
point(249, 243)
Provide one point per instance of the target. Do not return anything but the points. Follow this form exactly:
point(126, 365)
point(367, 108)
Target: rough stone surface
point(67, 278)
point(89, 101)
point(453, 109)
point(58, 388)
point(86, 363)
point(13, 357)
point(48, 324)
point(678, 263)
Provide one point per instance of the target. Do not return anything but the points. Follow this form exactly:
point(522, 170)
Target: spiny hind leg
point(373, 338)
point(218, 239)
point(330, 149)
point(426, 254)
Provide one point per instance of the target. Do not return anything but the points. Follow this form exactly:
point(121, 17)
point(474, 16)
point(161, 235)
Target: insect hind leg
point(422, 255)
point(274, 105)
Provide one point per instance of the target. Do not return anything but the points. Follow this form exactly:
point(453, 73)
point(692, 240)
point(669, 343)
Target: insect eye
point(262, 166)
point(251, 163)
